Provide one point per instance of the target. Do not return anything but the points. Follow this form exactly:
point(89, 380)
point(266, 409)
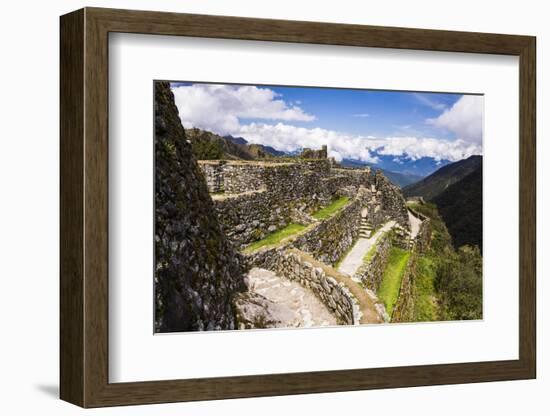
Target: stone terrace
point(255, 199)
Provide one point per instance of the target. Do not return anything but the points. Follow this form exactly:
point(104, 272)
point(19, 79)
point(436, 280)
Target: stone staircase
point(365, 230)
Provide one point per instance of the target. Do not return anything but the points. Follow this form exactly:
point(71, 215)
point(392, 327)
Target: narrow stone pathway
point(415, 224)
point(354, 259)
point(296, 306)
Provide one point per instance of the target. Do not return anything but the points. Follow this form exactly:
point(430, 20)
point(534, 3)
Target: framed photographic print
point(256, 207)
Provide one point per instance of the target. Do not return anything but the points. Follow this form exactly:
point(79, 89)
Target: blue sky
point(365, 125)
point(371, 112)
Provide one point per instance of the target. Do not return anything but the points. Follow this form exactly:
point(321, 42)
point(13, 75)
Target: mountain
point(461, 207)
point(433, 185)
point(399, 179)
point(236, 140)
point(415, 168)
point(255, 148)
point(207, 145)
point(423, 166)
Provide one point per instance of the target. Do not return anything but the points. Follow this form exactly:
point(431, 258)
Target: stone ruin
point(208, 212)
point(255, 198)
point(252, 199)
point(314, 154)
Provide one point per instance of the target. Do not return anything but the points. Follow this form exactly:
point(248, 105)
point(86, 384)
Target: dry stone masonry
point(197, 269)
point(260, 197)
point(372, 271)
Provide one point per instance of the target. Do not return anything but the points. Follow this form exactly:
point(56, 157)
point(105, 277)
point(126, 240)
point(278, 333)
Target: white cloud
point(361, 115)
point(290, 138)
point(344, 146)
point(464, 118)
point(219, 107)
point(418, 147)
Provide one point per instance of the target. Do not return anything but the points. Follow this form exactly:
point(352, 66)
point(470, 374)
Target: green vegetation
point(388, 292)
point(332, 208)
point(433, 185)
point(276, 236)
point(374, 248)
point(456, 189)
point(207, 149)
point(370, 254)
point(425, 300)
point(459, 282)
point(448, 282)
point(441, 243)
point(460, 206)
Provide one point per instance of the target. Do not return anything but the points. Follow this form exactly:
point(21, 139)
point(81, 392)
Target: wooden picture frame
point(84, 207)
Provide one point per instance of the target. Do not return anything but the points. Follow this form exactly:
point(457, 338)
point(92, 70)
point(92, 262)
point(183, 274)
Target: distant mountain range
point(406, 165)
point(457, 191)
point(399, 179)
point(208, 146)
point(437, 182)
point(267, 149)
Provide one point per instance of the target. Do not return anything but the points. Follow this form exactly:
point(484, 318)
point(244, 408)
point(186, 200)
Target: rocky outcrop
point(198, 272)
point(254, 311)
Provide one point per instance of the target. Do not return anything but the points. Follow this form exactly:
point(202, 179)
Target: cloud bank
point(464, 118)
point(222, 109)
point(219, 107)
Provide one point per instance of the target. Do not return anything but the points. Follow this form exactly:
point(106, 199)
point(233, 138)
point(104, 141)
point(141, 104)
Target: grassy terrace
point(331, 209)
point(425, 300)
point(388, 291)
point(276, 236)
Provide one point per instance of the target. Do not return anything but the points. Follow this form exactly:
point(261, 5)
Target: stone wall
point(243, 177)
point(331, 238)
point(298, 266)
point(214, 174)
point(392, 201)
point(250, 216)
point(271, 195)
point(405, 306)
point(197, 270)
point(372, 272)
point(260, 197)
point(422, 241)
point(314, 154)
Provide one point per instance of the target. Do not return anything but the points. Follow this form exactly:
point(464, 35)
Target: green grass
point(276, 236)
point(388, 291)
point(425, 302)
point(331, 209)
